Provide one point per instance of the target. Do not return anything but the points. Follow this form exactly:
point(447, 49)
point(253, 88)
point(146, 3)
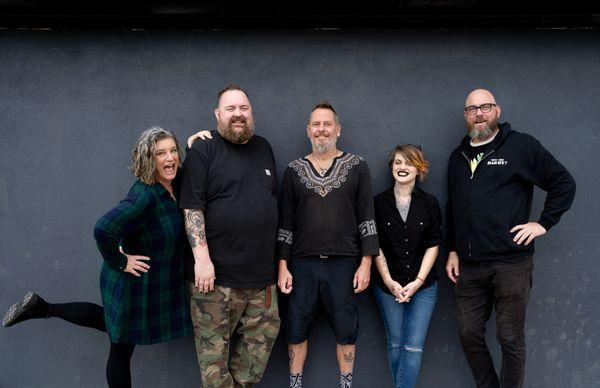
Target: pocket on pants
point(513, 278)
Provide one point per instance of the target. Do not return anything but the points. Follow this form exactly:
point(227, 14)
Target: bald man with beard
point(491, 176)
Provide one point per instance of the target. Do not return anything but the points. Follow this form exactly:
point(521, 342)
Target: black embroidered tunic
point(327, 215)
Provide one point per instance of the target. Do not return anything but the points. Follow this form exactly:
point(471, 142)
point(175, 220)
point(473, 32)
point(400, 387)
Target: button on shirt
point(404, 242)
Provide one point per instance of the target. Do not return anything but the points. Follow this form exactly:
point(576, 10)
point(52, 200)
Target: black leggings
point(118, 371)
point(79, 313)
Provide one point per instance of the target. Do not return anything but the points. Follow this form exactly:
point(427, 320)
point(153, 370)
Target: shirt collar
point(161, 190)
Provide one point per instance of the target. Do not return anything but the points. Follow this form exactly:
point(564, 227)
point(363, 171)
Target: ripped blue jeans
point(406, 327)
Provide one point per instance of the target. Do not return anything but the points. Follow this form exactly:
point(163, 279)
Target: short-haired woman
point(409, 227)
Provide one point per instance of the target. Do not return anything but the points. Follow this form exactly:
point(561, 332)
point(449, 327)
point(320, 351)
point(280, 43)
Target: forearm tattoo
point(194, 228)
point(383, 265)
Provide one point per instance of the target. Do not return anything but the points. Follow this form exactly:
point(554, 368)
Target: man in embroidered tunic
point(326, 223)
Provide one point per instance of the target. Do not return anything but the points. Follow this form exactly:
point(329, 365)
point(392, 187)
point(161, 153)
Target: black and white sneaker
point(30, 307)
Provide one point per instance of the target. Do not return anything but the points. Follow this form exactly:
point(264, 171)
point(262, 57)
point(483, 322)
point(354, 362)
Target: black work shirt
point(327, 215)
point(404, 243)
point(234, 185)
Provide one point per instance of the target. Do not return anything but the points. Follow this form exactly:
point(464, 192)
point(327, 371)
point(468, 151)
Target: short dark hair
point(324, 104)
point(229, 88)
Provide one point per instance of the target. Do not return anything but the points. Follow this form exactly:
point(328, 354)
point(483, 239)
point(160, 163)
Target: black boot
point(32, 306)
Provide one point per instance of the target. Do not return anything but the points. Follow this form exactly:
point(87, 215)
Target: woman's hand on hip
point(135, 264)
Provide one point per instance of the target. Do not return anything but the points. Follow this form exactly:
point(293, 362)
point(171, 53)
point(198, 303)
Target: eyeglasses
point(485, 108)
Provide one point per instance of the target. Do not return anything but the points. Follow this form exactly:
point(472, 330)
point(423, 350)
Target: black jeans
point(479, 288)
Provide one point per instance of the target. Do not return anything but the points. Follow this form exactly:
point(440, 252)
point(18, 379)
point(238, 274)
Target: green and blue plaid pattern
point(154, 307)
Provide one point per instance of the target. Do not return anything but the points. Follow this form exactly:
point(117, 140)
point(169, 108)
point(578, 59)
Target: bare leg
point(297, 354)
point(345, 356)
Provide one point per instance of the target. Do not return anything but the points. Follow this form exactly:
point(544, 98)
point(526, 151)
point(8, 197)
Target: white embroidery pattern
point(324, 185)
point(285, 236)
point(367, 228)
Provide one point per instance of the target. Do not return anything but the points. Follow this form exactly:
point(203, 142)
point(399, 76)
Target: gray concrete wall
point(72, 104)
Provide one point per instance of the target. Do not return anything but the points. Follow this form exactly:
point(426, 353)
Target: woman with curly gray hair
point(142, 241)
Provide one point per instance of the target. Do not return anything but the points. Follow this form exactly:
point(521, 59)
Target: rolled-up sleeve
point(434, 232)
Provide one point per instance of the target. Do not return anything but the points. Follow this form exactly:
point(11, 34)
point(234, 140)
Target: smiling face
point(323, 130)
point(234, 117)
point(481, 126)
point(403, 171)
point(166, 160)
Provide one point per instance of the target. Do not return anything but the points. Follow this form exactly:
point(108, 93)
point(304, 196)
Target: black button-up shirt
point(404, 243)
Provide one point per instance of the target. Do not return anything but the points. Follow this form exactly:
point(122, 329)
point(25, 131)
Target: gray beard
point(237, 137)
point(482, 134)
point(322, 148)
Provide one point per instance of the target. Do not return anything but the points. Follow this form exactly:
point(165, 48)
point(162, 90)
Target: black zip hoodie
point(485, 205)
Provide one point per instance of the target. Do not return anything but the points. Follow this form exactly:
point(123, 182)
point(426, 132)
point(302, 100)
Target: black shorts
point(325, 280)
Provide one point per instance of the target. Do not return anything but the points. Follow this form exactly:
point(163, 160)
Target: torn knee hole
point(414, 349)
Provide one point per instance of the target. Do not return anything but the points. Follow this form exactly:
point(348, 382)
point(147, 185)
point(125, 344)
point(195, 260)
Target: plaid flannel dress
point(154, 307)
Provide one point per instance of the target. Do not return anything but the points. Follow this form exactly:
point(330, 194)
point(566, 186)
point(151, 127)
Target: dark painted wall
point(72, 104)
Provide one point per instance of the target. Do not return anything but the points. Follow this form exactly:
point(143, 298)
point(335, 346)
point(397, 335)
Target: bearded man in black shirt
point(230, 204)
point(326, 224)
point(490, 236)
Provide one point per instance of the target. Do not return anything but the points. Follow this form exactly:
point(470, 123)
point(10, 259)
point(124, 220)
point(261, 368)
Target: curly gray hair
point(142, 157)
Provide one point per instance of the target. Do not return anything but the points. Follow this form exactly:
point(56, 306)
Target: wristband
point(422, 281)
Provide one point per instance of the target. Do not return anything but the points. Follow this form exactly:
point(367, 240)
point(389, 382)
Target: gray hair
point(142, 157)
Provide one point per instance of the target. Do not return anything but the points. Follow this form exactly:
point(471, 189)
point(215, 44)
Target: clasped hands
point(403, 294)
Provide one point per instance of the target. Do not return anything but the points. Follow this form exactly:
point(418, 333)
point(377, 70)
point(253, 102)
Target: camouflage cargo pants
point(215, 316)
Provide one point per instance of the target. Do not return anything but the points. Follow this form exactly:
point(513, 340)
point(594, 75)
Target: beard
point(479, 134)
point(233, 135)
point(321, 148)
point(484, 133)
